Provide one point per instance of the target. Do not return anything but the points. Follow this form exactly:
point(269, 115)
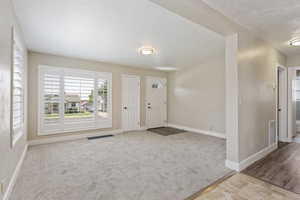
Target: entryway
point(156, 102)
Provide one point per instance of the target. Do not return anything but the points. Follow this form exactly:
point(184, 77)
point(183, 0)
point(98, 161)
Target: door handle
point(279, 109)
point(149, 107)
point(125, 108)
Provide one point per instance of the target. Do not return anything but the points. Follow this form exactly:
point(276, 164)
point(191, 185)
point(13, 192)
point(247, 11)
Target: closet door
point(130, 102)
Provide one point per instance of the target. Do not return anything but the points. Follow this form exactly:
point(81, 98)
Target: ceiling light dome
point(146, 50)
point(295, 42)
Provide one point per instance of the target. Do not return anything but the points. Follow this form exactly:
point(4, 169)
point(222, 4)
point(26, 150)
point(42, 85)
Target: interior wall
point(9, 156)
point(257, 63)
point(196, 95)
point(36, 59)
point(293, 60)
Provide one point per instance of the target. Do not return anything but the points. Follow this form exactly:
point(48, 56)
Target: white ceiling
point(277, 21)
point(113, 30)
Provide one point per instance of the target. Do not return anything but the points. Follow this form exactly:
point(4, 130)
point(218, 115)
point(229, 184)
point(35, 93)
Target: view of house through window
point(102, 98)
point(69, 98)
point(79, 97)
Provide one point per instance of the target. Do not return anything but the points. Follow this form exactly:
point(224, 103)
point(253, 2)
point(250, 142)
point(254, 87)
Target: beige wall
point(293, 61)
point(9, 157)
point(36, 59)
point(255, 74)
point(257, 62)
point(196, 95)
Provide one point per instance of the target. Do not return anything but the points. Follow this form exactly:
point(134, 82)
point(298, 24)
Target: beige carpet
point(132, 166)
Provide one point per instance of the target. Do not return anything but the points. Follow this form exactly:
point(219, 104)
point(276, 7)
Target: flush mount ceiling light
point(146, 51)
point(295, 42)
point(166, 68)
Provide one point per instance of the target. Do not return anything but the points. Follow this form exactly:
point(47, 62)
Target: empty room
point(148, 100)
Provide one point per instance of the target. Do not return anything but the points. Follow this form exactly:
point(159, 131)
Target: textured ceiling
point(276, 21)
point(113, 30)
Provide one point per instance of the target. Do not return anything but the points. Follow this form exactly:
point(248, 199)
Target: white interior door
point(282, 104)
point(130, 102)
point(156, 102)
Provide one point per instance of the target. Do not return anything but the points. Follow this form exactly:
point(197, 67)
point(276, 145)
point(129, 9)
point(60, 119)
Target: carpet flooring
point(132, 166)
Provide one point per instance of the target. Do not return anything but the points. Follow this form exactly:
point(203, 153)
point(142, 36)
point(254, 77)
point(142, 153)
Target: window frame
point(64, 125)
point(17, 45)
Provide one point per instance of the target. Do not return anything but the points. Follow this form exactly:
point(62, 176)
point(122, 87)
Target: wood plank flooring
point(280, 168)
point(244, 187)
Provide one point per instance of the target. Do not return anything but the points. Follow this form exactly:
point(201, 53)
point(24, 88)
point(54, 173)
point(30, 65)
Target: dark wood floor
point(281, 167)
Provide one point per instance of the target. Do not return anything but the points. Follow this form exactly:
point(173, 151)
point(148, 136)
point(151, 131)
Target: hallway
point(280, 168)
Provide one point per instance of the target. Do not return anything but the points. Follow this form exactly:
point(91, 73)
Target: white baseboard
point(210, 133)
point(72, 137)
point(285, 140)
point(296, 140)
point(143, 128)
point(15, 175)
point(251, 159)
point(232, 165)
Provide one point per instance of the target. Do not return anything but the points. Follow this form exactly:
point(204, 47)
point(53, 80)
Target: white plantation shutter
point(79, 90)
point(17, 92)
point(51, 110)
point(70, 100)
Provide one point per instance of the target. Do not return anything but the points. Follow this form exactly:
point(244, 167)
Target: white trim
point(296, 140)
point(72, 137)
point(232, 165)
point(204, 132)
point(143, 128)
point(251, 159)
point(286, 140)
point(15, 175)
point(232, 97)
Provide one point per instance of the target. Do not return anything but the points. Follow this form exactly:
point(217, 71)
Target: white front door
point(130, 102)
point(156, 102)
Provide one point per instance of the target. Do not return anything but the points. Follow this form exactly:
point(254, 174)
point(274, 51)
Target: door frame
point(139, 101)
point(291, 122)
point(284, 106)
point(146, 97)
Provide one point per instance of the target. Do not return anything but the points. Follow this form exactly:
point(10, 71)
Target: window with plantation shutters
point(73, 100)
point(17, 98)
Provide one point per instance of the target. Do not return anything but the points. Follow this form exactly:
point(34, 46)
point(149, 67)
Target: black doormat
point(166, 131)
